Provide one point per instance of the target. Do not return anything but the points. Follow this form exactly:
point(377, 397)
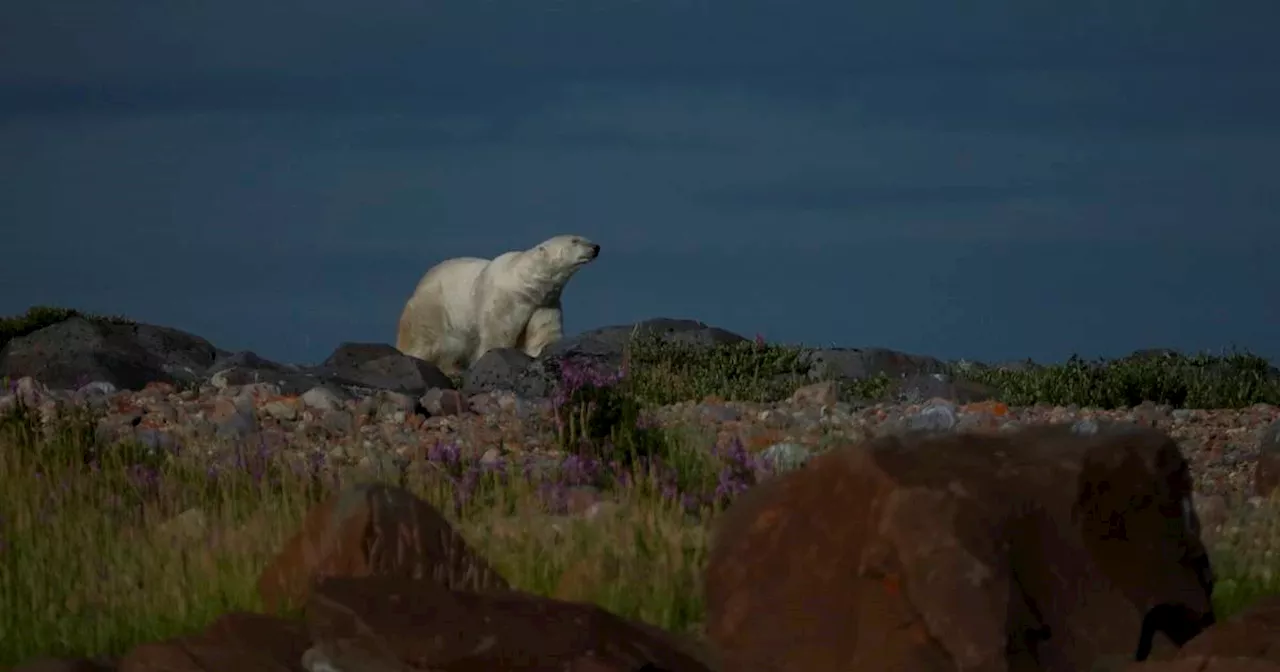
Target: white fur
point(464, 307)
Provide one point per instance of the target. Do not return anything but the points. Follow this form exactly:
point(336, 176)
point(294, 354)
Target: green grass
point(1246, 556)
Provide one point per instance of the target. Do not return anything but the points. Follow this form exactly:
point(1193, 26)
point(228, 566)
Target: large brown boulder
point(373, 529)
point(1035, 550)
point(381, 622)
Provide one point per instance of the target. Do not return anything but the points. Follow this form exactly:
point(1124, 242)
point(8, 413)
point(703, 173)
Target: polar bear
point(464, 307)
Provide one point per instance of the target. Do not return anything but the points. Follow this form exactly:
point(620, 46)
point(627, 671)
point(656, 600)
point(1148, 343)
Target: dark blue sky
point(1005, 180)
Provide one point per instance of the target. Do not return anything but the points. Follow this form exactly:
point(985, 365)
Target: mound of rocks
point(81, 351)
point(1048, 548)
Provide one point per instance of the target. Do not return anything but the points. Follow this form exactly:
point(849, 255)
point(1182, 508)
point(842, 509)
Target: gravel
point(362, 426)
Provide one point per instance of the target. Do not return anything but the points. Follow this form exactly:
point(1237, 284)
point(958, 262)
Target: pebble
point(321, 399)
point(938, 415)
point(786, 456)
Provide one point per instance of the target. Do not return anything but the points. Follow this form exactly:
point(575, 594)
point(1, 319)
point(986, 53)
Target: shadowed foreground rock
point(373, 530)
point(1039, 550)
point(237, 642)
point(378, 623)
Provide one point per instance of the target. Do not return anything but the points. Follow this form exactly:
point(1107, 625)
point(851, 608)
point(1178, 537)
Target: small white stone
point(321, 398)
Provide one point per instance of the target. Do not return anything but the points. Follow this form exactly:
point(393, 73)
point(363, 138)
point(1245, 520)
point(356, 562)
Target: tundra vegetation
point(103, 547)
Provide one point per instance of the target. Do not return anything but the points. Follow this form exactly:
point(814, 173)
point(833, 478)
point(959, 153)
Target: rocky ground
point(360, 426)
point(945, 583)
point(368, 404)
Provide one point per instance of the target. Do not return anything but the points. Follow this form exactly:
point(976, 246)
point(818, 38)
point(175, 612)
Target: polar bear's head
point(563, 255)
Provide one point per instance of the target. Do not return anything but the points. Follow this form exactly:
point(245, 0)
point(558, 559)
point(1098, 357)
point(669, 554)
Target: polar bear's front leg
point(501, 321)
point(546, 326)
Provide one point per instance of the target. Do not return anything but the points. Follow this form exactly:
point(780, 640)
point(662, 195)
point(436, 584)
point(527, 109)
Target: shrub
point(1235, 380)
point(598, 416)
point(665, 372)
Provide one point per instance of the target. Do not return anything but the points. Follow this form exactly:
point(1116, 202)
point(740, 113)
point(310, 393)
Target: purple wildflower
point(444, 453)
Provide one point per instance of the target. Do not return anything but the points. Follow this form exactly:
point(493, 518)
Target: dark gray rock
point(1017, 365)
point(245, 368)
point(609, 343)
point(291, 382)
point(512, 370)
point(80, 350)
point(1153, 354)
point(444, 402)
point(381, 366)
point(859, 363)
point(352, 355)
point(922, 387)
point(246, 359)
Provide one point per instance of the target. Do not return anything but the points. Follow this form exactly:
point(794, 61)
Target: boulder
point(921, 386)
point(246, 359)
point(80, 350)
point(373, 529)
point(394, 623)
point(382, 366)
point(608, 343)
point(247, 368)
point(859, 363)
point(1037, 549)
point(511, 370)
point(238, 641)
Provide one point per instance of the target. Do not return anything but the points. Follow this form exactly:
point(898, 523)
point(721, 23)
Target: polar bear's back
point(451, 285)
point(452, 271)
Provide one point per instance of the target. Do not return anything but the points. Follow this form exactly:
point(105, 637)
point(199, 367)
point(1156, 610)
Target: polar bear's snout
point(580, 250)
